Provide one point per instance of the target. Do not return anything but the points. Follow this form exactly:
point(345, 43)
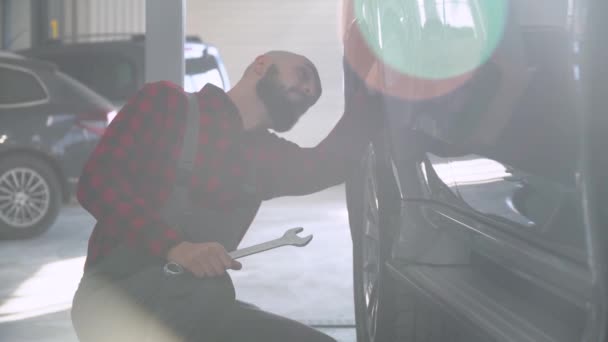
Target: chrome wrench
point(290, 238)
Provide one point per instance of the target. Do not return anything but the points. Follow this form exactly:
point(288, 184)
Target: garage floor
point(39, 276)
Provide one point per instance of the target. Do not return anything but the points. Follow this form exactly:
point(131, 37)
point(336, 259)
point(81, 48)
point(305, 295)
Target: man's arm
point(286, 169)
point(136, 152)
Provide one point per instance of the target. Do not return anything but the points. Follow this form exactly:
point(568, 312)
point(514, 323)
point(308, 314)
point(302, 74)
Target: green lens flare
point(432, 39)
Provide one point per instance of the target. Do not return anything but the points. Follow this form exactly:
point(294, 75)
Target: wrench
point(290, 238)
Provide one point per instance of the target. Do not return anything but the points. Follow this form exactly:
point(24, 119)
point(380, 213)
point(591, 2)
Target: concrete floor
point(311, 284)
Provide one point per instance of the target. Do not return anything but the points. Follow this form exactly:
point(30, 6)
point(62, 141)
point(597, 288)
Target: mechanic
point(124, 294)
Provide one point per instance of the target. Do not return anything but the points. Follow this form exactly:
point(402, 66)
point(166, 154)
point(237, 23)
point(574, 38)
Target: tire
point(30, 197)
point(375, 309)
point(385, 310)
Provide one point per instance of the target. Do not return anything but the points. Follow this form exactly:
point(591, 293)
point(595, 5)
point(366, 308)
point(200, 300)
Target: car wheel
point(30, 197)
point(385, 310)
point(374, 302)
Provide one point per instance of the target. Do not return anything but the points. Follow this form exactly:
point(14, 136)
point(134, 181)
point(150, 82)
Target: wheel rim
point(24, 197)
point(371, 251)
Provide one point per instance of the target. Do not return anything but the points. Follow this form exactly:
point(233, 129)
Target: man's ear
point(260, 65)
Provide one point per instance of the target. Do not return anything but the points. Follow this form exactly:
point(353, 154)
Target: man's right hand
point(208, 259)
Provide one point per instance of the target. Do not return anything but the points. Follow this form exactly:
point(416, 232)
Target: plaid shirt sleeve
point(129, 174)
point(290, 170)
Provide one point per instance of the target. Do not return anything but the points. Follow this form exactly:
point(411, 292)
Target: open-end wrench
point(290, 238)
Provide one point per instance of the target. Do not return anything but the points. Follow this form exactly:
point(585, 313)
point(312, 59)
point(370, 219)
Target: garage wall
point(243, 29)
point(103, 17)
point(76, 18)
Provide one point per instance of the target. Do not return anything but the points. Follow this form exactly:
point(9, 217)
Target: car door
point(518, 183)
point(486, 153)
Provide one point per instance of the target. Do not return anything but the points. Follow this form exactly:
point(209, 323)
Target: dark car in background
point(468, 213)
point(114, 65)
point(49, 124)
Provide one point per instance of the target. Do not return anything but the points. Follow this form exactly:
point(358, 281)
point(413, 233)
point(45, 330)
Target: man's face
point(287, 98)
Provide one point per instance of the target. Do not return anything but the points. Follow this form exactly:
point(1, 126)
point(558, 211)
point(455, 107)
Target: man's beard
point(283, 113)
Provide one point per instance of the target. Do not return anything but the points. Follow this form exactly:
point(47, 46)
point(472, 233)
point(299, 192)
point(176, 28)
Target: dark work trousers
point(151, 307)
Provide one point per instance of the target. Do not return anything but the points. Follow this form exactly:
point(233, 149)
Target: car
point(114, 65)
point(467, 211)
point(49, 124)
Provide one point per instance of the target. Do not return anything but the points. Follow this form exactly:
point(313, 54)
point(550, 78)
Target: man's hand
point(208, 259)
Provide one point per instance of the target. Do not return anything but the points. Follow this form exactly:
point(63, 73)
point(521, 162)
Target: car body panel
point(491, 222)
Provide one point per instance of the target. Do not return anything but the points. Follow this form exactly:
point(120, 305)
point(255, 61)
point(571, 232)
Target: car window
point(509, 129)
point(201, 71)
point(200, 80)
point(111, 76)
point(200, 65)
point(537, 132)
point(65, 89)
point(518, 105)
point(19, 87)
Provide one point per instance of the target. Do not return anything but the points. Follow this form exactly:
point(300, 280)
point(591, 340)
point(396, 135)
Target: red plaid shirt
point(131, 172)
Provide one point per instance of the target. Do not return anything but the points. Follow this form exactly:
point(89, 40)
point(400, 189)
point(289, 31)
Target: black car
point(468, 214)
point(114, 66)
point(49, 124)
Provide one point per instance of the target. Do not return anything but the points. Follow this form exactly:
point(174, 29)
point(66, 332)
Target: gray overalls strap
point(200, 224)
point(178, 206)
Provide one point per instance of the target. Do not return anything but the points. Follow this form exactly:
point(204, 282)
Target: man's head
point(287, 84)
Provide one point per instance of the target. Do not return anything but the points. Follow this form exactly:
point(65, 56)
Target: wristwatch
point(173, 269)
